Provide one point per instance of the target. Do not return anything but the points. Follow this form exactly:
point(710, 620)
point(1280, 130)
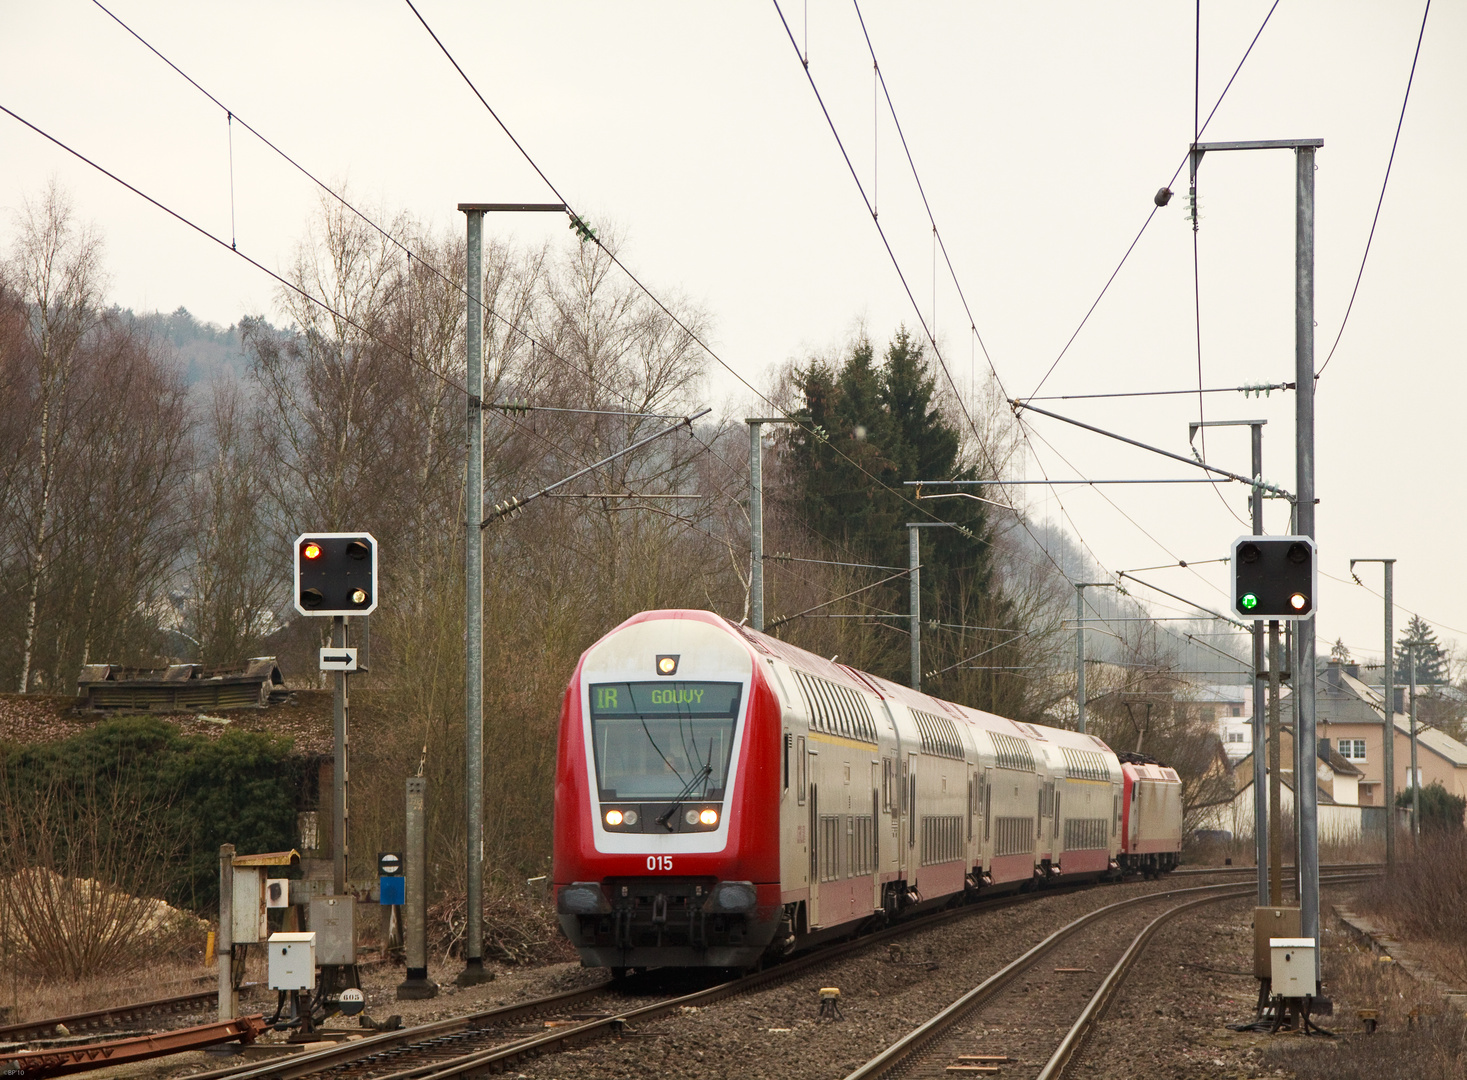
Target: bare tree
point(232, 584)
point(55, 270)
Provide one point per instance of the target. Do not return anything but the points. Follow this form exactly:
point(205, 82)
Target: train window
point(1056, 814)
point(788, 739)
point(886, 781)
point(801, 769)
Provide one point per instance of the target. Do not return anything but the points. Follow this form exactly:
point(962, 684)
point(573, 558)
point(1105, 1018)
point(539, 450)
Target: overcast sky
point(1040, 133)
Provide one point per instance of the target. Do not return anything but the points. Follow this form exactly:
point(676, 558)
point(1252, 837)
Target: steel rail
point(1332, 868)
point(901, 1052)
point(1075, 1039)
point(1072, 1046)
point(429, 1034)
point(499, 1058)
point(492, 1059)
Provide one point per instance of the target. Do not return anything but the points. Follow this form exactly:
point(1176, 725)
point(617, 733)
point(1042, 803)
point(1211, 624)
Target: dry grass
point(1425, 900)
point(1240, 851)
point(1432, 1045)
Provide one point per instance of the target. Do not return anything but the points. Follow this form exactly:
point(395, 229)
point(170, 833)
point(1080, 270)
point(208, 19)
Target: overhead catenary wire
point(633, 277)
point(1381, 201)
point(309, 297)
point(225, 244)
point(1155, 208)
point(902, 277)
point(317, 301)
point(612, 255)
point(973, 327)
point(386, 234)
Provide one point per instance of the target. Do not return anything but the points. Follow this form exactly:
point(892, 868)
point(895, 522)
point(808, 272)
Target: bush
point(1440, 809)
point(135, 805)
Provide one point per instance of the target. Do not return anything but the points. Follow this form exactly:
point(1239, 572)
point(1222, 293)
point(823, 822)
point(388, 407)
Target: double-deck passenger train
point(722, 796)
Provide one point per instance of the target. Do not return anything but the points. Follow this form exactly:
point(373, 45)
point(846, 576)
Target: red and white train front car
point(721, 794)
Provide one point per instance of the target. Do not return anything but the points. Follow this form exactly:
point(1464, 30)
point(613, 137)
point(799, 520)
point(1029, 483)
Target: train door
point(816, 855)
point(875, 836)
point(912, 813)
point(987, 817)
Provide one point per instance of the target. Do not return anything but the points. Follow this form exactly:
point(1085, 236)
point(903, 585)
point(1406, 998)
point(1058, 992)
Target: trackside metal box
point(292, 963)
point(1293, 966)
point(1269, 923)
point(333, 919)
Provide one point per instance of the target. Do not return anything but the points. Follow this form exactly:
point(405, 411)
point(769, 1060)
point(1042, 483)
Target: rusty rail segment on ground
point(35, 1064)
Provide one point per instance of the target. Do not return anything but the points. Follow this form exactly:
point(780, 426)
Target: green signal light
point(1248, 602)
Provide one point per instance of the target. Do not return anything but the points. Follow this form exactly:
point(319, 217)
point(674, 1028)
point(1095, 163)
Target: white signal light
point(709, 817)
point(1298, 601)
point(358, 596)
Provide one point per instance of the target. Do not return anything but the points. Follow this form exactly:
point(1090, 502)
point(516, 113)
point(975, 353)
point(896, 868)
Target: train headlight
point(630, 817)
point(709, 817)
point(614, 817)
point(691, 817)
point(667, 665)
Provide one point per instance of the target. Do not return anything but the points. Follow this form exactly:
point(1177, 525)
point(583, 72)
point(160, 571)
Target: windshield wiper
point(665, 819)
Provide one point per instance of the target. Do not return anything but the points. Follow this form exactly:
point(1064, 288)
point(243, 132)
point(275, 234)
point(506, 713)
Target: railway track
point(102, 1020)
point(937, 1046)
point(492, 1040)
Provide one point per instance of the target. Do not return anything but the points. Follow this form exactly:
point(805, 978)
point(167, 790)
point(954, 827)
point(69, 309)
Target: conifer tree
point(1431, 659)
point(876, 425)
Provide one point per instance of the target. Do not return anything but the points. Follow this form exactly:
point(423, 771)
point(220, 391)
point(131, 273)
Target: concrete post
point(473, 972)
point(224, 943)
point(1080, 658)
point(1388, 740)
point(339, 810)
point(1260, 768)
point(756, 524)
point(417, 985)
point(914, 604)
point(1305, 794)
point(1415, 768)
point(1275, 778)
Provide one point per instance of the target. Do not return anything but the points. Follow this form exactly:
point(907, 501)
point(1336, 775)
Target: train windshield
point(663, 740)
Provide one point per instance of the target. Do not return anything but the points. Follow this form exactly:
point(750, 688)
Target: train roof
point(856, 679)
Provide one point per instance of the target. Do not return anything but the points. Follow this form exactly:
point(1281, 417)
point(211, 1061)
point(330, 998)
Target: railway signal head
point(1274, 577)
point(335, 574)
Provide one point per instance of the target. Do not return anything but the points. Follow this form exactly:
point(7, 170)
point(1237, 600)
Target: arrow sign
point(338, 659)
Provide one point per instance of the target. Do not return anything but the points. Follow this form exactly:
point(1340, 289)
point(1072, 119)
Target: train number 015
point(659, 862)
